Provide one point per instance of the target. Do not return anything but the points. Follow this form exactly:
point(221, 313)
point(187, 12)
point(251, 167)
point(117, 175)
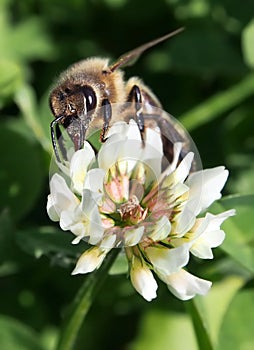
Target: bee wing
point(130, 57)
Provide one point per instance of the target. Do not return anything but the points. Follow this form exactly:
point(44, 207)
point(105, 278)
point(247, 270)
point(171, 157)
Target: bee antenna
point(130, 57)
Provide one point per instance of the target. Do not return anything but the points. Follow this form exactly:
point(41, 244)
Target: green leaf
point(11, 77)
point(248, 45)
point(208, 312)
point(236, 12)
point(161, 329)
point(35, 42)
point(21, 172)
point(218, 104)
point(6, 236)
point(213, 55)
point(49, 336)
point(237, 328)
point(26, 40)
point(120, 265)
point(26, 100)
point(244, 182)
point(50, 241)
point(83, 301)
point(239, 241)
point(45, 118)
point(17, 336)
point(10, 259)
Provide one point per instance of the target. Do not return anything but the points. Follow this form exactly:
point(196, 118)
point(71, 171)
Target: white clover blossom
point(122, 198)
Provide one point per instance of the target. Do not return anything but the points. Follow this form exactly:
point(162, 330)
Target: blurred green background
point(204, 77)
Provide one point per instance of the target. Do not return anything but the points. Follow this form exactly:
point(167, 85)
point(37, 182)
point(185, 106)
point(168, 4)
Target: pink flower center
point(132, 212)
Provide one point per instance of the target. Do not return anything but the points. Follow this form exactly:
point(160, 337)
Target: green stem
point(218, 104)
point(83, 302)
point(200, 325)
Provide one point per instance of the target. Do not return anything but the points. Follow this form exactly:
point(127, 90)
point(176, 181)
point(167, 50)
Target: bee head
point(72, 101)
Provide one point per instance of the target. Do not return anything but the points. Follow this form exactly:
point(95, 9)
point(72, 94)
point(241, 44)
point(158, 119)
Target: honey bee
point(91, 91)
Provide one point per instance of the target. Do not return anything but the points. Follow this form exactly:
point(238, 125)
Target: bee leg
point(82, 135)
point(107, 114)
point(135, 96)
point(56, 137)
point(60, 142)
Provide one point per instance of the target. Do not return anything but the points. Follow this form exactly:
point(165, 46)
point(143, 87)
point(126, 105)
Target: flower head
point(123, 198)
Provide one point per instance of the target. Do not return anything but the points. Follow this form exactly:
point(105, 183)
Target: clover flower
point(122, 198)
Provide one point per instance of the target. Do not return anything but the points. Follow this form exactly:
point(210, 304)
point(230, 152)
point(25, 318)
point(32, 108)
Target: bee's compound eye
point(90, 97)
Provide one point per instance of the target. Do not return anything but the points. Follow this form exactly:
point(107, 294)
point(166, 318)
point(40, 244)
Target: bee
point(91, 91)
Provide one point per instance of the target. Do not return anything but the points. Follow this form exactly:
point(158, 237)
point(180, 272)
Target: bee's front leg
point(107, 114)
point(136, 97)
point(57, 139)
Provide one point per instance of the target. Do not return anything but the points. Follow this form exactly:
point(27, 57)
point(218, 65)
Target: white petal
point(153, 169)
point(202, 248)
point(118, 128)
point(90, 260)
point(205, 187)
point(161, 229)
point(215, 221)
point(127, 148)
point(142, 279)
point(212, 238)
point(92, 217)
point(125, 145)
point(84, 220)
point(152, 152)
point(130, 152)
point(133, 236)
point(108, 154)
point(77, 239)
point(185, 285)
point(61, 197)
point(51, 209)
point(125, 152)
point(74, 221)
point(178, 191)
point(185, 220)
point(209, 235)
point(124, 130)
point(79, 165)
point(133, 132)
point(153, 139)
point(183, 169)
point(177, 151)
point(69, 218)
point(179, 175)
point(168, 260)
point(94, 180)
point(108, 242)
